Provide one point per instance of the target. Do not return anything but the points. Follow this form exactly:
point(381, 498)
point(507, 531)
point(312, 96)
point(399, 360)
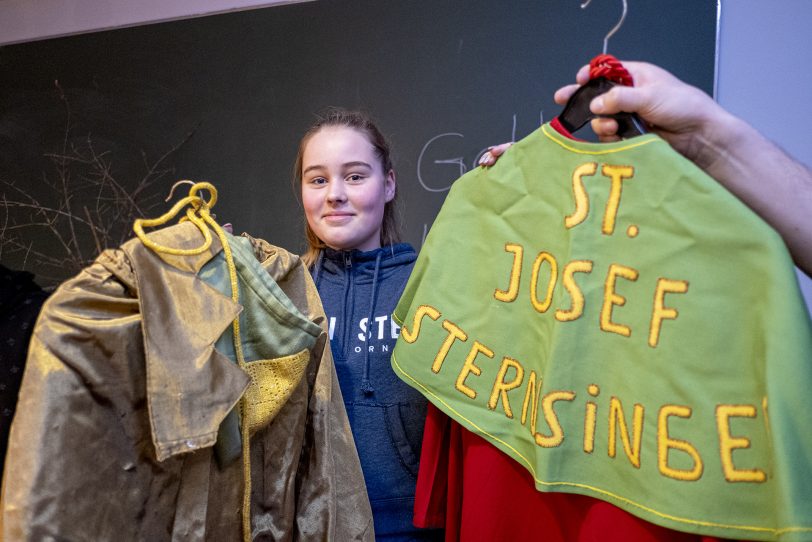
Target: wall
point(24, 20)
point(761, 75)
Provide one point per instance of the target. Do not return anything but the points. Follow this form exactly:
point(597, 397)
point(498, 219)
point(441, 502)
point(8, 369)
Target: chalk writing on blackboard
point(458, 161)
point(459, 166)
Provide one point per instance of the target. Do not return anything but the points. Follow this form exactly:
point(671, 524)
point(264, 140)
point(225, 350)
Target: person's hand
point(774, 185)
point(681, 114)
point(490, 156)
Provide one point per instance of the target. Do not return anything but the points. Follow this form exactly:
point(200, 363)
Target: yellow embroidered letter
point(454, 333)
point(617, 174)
point(515, 273)
point(577, 308)
point(422, 310)
point(581, 197)
point(548, 408)
point(542, 306)
point(535, 391)
point(468, 367)
point(660, 311)
point(728, 443)
point(610, 298)
point(500, 387)
point(617, 420)
point(665, 442)
point(589, 419)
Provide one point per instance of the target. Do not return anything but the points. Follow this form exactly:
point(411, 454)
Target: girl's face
point(344, 188)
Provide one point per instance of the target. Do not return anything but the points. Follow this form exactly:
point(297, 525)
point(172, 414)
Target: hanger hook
point(616, 27)
point(174, 186)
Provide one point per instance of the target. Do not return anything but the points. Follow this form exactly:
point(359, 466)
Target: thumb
point(618, 99)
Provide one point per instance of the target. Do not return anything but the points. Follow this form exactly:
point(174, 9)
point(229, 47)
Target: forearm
point(765, 178)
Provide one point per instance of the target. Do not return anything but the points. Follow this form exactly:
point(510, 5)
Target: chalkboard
point(232, 94)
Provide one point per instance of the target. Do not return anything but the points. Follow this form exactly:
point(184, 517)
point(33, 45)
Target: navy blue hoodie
point(386, 415)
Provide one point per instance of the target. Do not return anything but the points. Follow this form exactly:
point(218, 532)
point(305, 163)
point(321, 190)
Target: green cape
point(623, 327)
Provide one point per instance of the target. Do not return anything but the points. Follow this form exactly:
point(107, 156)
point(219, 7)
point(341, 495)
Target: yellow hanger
point(198, 213)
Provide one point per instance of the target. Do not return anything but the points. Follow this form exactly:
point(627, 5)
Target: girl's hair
point(360, 121)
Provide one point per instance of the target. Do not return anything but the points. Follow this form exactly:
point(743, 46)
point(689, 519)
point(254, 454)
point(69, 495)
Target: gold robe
point(121, 402)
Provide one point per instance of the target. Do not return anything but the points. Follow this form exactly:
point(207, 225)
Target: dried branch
point(89, 208)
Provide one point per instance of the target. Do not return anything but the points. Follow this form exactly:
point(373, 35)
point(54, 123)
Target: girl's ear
point(390, 185)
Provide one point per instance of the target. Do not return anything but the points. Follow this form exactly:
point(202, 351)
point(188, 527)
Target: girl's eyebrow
point(311, 168)
point(357, 163)
point(346, 165)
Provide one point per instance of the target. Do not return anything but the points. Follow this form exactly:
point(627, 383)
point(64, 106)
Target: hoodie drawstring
point(366, 385)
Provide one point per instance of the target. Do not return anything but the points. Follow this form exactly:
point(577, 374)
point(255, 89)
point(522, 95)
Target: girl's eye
point(355, 177)
point(318, 180)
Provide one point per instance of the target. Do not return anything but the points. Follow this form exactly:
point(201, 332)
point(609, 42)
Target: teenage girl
point(349, 194)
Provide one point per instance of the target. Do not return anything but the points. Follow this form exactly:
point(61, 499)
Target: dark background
point(246, 86)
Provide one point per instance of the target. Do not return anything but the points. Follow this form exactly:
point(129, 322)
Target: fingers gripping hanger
point(605, 73)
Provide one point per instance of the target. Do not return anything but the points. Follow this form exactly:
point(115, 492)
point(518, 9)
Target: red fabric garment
point(477, 493)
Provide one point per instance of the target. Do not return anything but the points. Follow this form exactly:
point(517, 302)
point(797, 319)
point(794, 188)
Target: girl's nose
point(336, 192)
